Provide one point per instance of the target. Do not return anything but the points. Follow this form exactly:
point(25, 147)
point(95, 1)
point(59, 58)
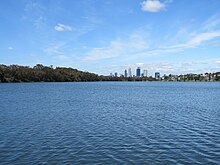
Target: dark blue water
point(110, 123)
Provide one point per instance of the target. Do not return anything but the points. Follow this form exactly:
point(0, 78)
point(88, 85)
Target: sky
point(108, 36)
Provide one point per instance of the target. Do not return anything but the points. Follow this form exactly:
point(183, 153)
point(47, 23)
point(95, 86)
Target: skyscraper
point(138, 72)
point(129, 72)
point(157, 75)
point(145, 73)
point(126, 73)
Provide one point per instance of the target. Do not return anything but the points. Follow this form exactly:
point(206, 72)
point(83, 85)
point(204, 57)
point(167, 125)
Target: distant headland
point(41, 73)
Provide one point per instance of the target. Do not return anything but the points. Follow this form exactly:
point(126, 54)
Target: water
point(110, 123)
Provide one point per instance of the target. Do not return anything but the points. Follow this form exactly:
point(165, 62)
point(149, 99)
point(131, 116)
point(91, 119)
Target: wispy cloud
point(191, 63)
point(119, 47)
point(215, 45)
point(197, 39)
point(61, 27)
point(63, 58)
point(212, 23)
point(10, 48)
point(165, 67)
point(55, 49)
point(217, 62)
point(150, 67)
point(194, 41)
point(160, 66)
point(137, 46)
point(139, 63)
point(39, 22)
point(153, 5)
point(34, 7)
point(35, 13)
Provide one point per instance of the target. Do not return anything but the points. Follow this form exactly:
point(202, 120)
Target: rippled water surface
point(110, 123)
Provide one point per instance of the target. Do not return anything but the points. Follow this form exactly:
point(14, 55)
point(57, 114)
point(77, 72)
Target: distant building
point(129, 72)
point(138, 72)
point(157, 75)
point(111, 75)
point(145, 73)
point(126, 73)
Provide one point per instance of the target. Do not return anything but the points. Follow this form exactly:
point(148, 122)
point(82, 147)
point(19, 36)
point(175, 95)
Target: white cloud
point(134, 44)
point(191, 43)
point(140, 63)
point(10, 48)
point(137, 46)
point(163, 67)
point(196, 40)
point(154, 52)
point(62, 27)
point(167, 67)
point(218, 62)
point(202, 37)
point(152, 5)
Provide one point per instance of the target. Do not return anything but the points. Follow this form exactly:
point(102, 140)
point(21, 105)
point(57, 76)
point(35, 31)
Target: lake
point(110, 123)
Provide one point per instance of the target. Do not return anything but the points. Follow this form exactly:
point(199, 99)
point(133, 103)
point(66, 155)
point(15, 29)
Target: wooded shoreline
point(41, 73)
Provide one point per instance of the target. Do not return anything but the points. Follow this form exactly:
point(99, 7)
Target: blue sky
point(169, 36)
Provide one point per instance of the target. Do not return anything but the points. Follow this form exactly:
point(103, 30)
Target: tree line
point(41, 73)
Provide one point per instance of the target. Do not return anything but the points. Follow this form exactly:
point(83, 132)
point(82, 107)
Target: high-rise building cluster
point(143, 76)
point(138, 73)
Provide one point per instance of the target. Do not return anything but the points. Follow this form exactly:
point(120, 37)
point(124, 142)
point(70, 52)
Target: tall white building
point(129, 72)
point(145, 73)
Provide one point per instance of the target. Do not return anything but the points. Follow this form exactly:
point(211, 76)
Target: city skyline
point(166, 36)
point(143, 72)
point(128, 73)
point(143, 76)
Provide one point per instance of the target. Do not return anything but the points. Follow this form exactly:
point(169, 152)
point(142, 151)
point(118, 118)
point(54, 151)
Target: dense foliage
point(40, 73)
